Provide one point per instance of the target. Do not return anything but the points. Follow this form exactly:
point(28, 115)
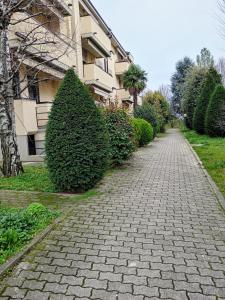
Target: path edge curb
point(15, 259)
point(214, 187)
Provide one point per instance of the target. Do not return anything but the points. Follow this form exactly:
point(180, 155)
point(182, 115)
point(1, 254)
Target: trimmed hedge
point(121, 135)
point(210, 82)
point(143, 132)
point(148, 113)
point(215, 116)
point(76, 138)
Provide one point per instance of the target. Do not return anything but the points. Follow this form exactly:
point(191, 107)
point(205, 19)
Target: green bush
point(215, 115)
point(76, 138)
point(211, 80)
point(143, 132)
point(121, 135)
point(148, 113)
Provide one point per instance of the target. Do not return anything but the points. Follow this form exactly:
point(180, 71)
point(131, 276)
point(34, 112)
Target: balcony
point(121, 67)
point(95, 76)
point(124, 96)
point(42, 113)
point(94, 38)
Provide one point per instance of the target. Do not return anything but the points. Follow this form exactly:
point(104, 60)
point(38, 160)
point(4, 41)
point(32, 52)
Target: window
point(33, 88)
point(31, 145)
point(16, 85)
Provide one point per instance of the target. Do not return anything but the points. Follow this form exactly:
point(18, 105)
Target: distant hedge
point(215, 115)
point(143, 132)
point(121, 135)
point(76, 138)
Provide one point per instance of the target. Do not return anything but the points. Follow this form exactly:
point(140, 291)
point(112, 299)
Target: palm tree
point(134, 80)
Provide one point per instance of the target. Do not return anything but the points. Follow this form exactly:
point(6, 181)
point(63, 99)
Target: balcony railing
point(121, 67)
point(42, 112)
point(94, 75)
point(124, 95)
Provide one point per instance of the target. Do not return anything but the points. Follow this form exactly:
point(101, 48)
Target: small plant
point(143, 132)
point(121, 135)
point(36, 209)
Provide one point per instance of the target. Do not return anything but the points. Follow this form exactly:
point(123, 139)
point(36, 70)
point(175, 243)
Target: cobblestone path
point(157, 232)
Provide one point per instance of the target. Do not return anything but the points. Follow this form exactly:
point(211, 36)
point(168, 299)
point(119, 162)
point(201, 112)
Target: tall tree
point(32, 38)
point(215, 115)
point(192, 89)
point(134, 80)
point(177, 82)
point(205, 59)
point(212, 79)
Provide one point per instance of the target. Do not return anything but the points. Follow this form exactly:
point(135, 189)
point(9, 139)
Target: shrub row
point(82, 141)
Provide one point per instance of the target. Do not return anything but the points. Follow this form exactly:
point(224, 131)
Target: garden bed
point(211, 151)
point(19, 226)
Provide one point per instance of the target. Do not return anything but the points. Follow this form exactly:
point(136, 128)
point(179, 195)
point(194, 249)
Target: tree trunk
point(135, 97)
point(12, 165)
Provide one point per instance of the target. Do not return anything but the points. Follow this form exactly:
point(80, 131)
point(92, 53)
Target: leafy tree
point(211, 80)
point(215, 116)
point(148, 113)
point(76, 138)
point(121, 135)
point(158, 101)
point(192, 89)
point(134, 80)
point(177, 82)
point(205, 59)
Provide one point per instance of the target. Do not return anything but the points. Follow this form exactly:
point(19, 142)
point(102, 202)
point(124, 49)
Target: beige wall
point(26, 121)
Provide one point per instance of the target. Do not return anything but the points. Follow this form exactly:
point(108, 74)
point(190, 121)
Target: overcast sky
point(160, 32)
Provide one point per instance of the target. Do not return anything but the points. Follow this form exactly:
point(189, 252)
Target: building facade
point(68, 34)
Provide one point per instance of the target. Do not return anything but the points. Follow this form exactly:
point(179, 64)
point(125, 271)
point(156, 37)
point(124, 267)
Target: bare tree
point(165, 90)
point(23, 36)
point(220, 66)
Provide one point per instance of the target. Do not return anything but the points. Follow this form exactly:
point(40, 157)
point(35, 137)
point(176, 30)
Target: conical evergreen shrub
point(211, 81)
point(215, 116)
point(76, 138)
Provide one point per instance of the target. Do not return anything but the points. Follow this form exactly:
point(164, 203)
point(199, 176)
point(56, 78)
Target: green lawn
point(212, 153)
point(35, 178)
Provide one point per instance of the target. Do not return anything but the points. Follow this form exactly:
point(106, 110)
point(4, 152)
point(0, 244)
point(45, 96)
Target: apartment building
point(83, 41)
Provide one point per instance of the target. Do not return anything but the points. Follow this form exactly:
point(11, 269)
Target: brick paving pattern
point(156, 232)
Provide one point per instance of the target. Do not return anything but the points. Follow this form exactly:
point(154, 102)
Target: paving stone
point(79, 291)
point(36, 295)
point(146, 291)
point(55, 288)
point(33, 285)
point(120, 287)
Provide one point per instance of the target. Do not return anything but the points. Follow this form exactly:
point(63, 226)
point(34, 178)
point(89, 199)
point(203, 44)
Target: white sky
point(160, 32)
